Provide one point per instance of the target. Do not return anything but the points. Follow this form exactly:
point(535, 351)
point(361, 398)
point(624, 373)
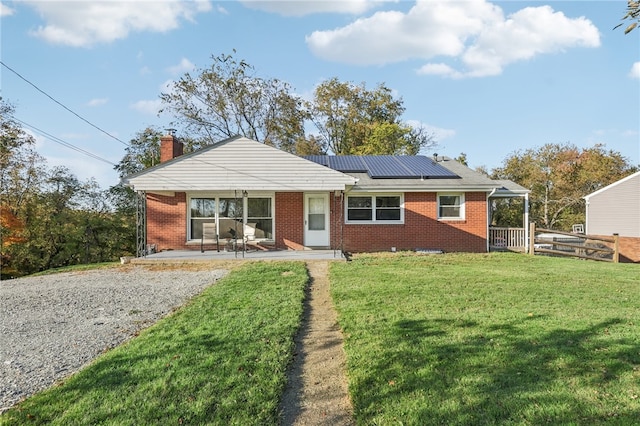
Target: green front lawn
point(446, 339)
point(220, 360)
point(503, 339)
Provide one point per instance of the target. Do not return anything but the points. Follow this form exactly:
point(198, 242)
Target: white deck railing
point(507, 239)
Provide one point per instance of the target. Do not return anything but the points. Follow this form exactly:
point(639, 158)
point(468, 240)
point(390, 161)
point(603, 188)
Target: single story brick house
point(242, 190)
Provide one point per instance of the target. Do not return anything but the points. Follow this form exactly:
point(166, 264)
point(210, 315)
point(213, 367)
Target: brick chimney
point(170, 146)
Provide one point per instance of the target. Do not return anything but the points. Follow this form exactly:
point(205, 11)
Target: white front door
point(316, 220)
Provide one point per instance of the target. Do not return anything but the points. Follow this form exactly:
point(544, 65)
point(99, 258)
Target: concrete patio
point(210, 255)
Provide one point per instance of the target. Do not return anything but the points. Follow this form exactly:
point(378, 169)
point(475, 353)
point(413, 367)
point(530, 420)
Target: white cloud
point(185, 65)
point(440, 133)
point(439, 69)
point(635, 70)
point(151, 107)
point(97, 102)
point(306, 7)
point(84, 23)
point(525, 34)
point(168, 86)
point(40, 141)
point(475, 35)
point(85, 168)
point(5, 10)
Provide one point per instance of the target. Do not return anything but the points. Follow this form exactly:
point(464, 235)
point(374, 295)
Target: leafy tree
point(309, 146)
point(48, 218)
point(143, 152)
point(20, 165)
point(351, 119)
point(21, 169)
point(69, 222)
point(559, 175)
point(633, 15)
point(462, 159)
point(228, 99)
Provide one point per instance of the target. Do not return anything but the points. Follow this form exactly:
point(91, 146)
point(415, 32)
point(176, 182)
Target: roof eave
point(405, 188)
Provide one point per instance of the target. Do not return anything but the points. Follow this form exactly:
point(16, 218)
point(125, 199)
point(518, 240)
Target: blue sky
point(488, 78)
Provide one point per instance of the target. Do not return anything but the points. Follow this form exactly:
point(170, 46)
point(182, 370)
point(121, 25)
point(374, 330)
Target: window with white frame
point(233, 217)
point(379, 208)
point(202, 210)
point(451, 206)
point(259, 218)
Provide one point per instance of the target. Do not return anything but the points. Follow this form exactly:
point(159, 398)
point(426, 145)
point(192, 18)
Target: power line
point(65, 143)
point(63, 106)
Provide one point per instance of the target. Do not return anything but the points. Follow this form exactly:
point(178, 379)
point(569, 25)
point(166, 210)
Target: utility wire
point(63, 106)
point(64, 143)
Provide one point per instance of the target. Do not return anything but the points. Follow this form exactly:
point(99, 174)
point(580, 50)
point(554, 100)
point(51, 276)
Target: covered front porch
point(508, 239)
point(508, 218)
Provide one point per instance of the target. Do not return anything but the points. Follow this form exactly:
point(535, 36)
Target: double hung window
point(260, 217)
point(451, 206)
point(203, 210)
point(374, 208)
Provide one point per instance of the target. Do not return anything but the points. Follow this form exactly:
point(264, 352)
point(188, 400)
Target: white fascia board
point(421, 189)
point(631, 176)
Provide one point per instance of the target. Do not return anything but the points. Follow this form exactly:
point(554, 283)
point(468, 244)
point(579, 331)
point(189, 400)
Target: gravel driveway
point(51, 326)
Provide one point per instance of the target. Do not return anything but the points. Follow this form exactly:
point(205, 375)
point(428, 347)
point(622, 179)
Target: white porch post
point(526, 222)
point(489, 214)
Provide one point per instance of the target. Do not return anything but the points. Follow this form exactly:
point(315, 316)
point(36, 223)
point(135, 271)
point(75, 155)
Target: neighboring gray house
point(615, 209)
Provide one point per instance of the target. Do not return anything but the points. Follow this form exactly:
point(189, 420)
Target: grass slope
point(490, 339)
point(219, 360)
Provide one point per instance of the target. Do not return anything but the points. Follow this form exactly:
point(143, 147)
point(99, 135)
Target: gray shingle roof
point(466, 179)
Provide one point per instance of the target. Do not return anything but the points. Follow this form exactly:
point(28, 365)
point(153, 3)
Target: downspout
point(493, 191)
point(586, 215)
point(342, 214)
point(336, 233)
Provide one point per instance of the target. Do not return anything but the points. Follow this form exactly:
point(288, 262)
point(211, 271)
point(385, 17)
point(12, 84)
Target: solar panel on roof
point(386, 166)
point(323, 160)
point(348, 163)
point(425, 167)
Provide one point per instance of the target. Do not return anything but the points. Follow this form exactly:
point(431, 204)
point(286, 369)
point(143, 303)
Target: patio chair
point(209, 233)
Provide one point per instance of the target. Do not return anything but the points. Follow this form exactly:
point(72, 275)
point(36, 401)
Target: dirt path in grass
point(316, 393)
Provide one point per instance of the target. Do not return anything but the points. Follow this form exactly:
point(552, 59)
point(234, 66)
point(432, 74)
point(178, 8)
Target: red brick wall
point(170, 148)
point(289, 220)
point(166, 225)
point(166, 221)
point(422, 229)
